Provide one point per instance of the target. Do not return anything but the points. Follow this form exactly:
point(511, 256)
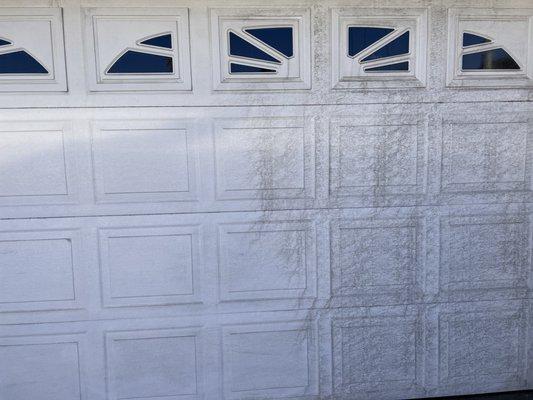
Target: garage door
point(233, 200)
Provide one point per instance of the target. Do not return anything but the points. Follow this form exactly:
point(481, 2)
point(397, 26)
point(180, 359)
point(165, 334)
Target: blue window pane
point(397, 47)
point(241, 48)
point(4, 42)
point(470, 39)
point(489, 59)
point(20, 62)
point(136, 62)
point(279, 39)
point(403, 66)
point(164, 41)
point(359, 38)
point(246, 69)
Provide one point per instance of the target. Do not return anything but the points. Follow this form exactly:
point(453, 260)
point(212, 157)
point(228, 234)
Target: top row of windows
point(139, 49)
point(152, 54)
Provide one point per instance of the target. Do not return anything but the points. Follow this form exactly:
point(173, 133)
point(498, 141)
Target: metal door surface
point(237, 200)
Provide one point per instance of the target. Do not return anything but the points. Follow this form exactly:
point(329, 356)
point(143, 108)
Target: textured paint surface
point(294, 235)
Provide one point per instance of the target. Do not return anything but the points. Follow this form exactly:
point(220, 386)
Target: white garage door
point(213, 200)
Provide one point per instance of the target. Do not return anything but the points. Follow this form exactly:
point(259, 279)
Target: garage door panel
point(150, 265)
point(483, 158)
point(484, 256)
point(499, 328)
point(207, 163)
point(46, 363)
point(42, 270)
point(393, 339)
point(107, 359)
point(378, 261)
point(158, 265)
point(378, 159)
point(138, 364)
point(267, 260)
point(276, 359)
point(144, 161)
point(264, 158)
point(39, 165)
point(320, 222)
point(183, 262)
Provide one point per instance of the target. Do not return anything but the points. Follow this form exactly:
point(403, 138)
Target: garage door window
point(132, 61)
point(279, 38)
point(259, 50)
point(137, 49)
point(403, 66)
point(236, 68)
point(159, 41)
point(17, 60)
point(481, 55)
point(379, 49)
point(489, 47)
point(470, 39)
point(137, 62)
point(20, 62)
point(361, 37)
point(496, 59)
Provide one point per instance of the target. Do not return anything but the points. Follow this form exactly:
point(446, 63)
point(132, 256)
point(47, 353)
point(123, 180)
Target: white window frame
point(346, 75)
point(56, 79)
point(178, 80)
point(456, 77)
point(298, 67)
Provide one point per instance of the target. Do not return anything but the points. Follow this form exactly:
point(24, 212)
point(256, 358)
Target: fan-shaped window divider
point(163, 41)
point(236, 68)
point(396, 47)
point(362, 37)
point(481, 53)
point(260, 50)
point(396, 67)
point(239, 47)
point(280, 39)
point(380, 48)
point(138, 62)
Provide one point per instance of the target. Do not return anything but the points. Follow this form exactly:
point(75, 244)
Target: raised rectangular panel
point(110, 32)
point(270, 360)
point(376, 354)
point(39, 270)
point(348, 71)
point(264, 158)
point(144, 161)
point(371, 156)
point(505, 28)
point(478, 349)
point(150, 266)
point(484, 252)
point(267, 260)
point(377, 259)
point(41, 367)
point(42, 156)
point(293, 70)
point(39, 33)
point(480, 156)
point(37, 164)
point(153, 364)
